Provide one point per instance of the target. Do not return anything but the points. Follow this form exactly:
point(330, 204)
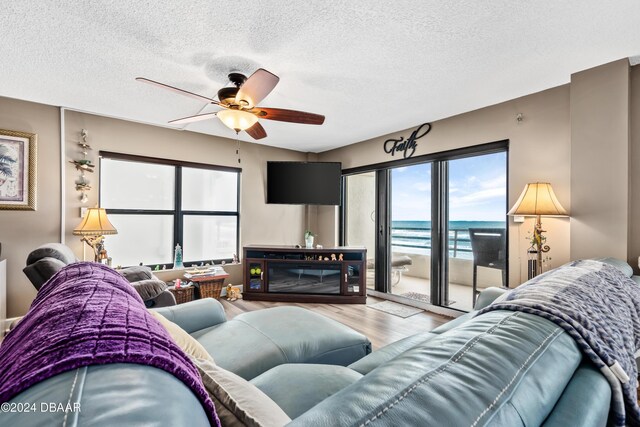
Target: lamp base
point(538, 248)
point(97, 245)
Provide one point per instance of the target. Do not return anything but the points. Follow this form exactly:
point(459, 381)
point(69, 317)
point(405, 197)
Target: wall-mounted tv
point(304, 183)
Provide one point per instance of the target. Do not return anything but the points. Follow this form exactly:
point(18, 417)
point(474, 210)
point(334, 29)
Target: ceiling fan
point(239, 102)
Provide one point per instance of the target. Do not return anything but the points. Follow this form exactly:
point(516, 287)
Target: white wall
point(634, 170)
point(600, 161)
point(23, 231)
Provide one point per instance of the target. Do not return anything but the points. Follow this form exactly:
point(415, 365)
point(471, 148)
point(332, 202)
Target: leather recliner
point(48, 259)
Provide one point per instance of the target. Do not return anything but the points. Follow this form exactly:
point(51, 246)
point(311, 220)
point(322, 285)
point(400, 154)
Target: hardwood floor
point(381, 328)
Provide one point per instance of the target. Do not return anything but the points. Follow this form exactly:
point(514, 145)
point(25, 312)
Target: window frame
point(177, 212)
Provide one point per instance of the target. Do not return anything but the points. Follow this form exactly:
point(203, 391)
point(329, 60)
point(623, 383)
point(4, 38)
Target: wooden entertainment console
point(287, 273)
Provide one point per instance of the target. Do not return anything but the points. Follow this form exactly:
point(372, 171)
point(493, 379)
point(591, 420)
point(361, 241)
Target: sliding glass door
point(477, 200)
point(434, 226)
point(410, 243)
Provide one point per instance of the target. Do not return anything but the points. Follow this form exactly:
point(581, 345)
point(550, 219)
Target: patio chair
point(489, 247)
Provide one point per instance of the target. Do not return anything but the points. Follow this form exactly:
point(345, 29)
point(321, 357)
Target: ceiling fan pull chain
point(238, 146)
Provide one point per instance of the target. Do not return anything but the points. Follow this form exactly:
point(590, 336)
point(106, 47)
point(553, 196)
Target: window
point(156, 203)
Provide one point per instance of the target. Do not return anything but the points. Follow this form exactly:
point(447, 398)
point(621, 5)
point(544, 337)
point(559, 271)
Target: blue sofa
point(500, 369)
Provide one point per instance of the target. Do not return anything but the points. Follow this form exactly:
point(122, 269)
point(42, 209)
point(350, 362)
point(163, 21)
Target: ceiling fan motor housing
point(227, 95)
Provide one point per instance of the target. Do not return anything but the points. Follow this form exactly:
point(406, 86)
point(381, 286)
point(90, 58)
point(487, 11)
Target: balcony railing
point(420, 238)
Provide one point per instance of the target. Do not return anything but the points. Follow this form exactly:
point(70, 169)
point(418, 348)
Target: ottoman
point(254, 342)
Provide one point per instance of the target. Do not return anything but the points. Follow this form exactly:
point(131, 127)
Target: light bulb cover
point(237, 119)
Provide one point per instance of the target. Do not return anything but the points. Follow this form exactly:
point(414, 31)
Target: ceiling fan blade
point(192, 119)
point(256, 88)
point(291, 116)
point(177, 90)
point(256, 131)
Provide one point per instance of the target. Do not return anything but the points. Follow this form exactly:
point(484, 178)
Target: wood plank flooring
point(381, 328)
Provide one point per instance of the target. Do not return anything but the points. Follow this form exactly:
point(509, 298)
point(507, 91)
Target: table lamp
point(538, 199)
point(93, 227)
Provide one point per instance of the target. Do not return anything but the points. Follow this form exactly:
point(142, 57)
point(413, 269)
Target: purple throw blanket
point(88, 314)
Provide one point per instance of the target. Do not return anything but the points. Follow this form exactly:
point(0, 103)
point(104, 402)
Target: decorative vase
point(177, 259)
point(308, 242)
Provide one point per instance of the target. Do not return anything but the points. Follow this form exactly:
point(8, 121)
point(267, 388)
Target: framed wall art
point(17, 170)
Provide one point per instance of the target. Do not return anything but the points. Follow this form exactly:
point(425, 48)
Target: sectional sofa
point(501, 368)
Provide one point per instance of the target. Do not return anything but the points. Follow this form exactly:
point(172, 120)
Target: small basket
point(182, 295)
point(210, 288)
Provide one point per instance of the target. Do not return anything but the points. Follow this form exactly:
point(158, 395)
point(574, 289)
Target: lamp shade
point(538, 198)
point(237, 119)
point(95, 223)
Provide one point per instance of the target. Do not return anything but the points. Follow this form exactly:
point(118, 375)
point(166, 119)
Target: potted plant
point(308, 239)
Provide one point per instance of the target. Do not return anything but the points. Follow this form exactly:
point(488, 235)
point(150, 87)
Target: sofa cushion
point(296, 388)
point(42, 270)
point(453, 323)
point(52, 250)
point(386, 353)
point(186, 342)
point(195, 315)
point(619, 264)
point(120, 394)
point(137, 273)
point(305, 336)
point(239, 348)
point(488, 296)
point(587, 382)
point(238, 402)
point(274, 336)
point(500, 368)
point(149, 288)
point(164, 299)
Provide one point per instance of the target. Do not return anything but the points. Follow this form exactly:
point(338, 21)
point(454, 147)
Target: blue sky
point(477, 190)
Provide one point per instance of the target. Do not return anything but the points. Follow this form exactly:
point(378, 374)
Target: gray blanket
point(600, 308)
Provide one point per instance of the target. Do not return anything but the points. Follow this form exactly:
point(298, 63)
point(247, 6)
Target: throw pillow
point(186, 342)
point(237, 401)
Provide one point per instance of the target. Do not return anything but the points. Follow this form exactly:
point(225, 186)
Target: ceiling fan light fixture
point(237, 120)
point(238, 104)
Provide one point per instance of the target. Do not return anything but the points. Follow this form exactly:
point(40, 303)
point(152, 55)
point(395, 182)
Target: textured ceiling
point(370, 67)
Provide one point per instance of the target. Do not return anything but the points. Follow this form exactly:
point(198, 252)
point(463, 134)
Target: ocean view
point(415, 236)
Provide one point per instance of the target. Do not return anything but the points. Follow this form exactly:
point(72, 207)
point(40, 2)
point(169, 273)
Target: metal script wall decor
point(408, 146)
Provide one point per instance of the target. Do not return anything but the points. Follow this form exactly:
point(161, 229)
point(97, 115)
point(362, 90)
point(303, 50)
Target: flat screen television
point(304, 183)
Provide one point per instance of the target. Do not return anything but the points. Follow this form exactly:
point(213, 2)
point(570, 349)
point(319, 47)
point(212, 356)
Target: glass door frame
point(439, 213)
